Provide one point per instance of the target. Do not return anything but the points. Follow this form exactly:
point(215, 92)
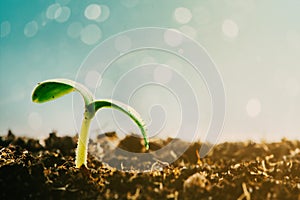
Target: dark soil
point(244, 170)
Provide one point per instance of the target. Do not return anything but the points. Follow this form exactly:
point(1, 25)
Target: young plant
point(53, 89)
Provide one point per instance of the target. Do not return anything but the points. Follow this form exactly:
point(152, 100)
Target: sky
point(253, 45)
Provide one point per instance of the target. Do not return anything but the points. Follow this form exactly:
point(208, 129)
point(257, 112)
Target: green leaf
point(129, 111)
point(55, 88)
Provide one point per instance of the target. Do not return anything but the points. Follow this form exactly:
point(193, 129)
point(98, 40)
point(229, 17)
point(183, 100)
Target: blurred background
point(254, 44)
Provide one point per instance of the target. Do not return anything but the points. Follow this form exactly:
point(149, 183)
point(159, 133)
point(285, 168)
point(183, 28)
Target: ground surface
point(29, 170)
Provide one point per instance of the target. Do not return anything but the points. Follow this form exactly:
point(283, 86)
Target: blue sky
point(255, 45)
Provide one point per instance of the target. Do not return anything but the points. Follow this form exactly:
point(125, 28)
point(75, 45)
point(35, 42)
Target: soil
point(30, 169)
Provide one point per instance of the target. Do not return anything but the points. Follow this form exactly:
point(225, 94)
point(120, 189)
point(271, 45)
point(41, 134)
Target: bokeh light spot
point(189, 31)
point(105, 12)
point(91, 34)
point(172, 37)
point(92, 78)
point(62, 14)
point(92, 11)
point(5, 29)
point(74, 29)
point(180, 51)
point(230, 28)
point(31, 29)
point(51, 10)
point(182, 15)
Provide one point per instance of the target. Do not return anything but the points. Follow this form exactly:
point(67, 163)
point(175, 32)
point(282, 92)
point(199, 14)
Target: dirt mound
point(244, 170)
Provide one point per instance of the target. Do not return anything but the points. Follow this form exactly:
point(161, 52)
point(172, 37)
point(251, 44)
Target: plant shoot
point(55, 88)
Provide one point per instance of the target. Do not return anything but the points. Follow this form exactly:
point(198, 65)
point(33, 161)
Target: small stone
point(196, 184)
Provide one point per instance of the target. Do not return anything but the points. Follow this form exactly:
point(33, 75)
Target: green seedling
point(53, 89)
